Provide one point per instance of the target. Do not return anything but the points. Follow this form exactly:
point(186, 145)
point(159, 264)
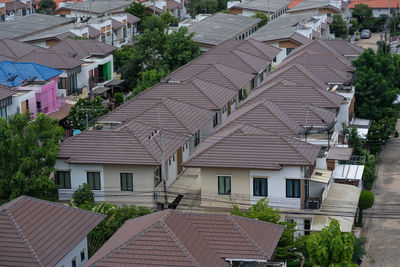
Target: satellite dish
point(31, 80)
point(75, 132)
point(12, 78)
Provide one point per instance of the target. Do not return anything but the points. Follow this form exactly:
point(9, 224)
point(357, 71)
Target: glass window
point(260, 187)
point(62, 84)
point(93, 180)
point(83, 255)
point(252, 85)
point(215, 120)
point(63, 179)
point(274, 60)
point(73, 262)
point(3, 112)
point(224, 185)
point(292, 188)
point(126, 181)
point(197, 138)
point(289, 50)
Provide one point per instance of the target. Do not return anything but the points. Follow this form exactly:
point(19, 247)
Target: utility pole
point(163, 163)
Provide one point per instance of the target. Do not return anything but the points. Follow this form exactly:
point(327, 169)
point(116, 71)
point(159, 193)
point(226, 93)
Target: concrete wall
point(20, 97)
point(143, 185)
point(343, 115)
point(75, 253)
point(242, 187)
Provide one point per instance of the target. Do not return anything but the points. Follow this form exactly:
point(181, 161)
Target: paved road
point(383, 246)
point(371, 42)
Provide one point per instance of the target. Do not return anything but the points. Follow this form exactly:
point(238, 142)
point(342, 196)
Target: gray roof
point(249, 147)
point(221, 27)
point(281, 28)
point(22, 26)
point(313, 4)
point(49, 33)
point(98, 6)
point(263, 5)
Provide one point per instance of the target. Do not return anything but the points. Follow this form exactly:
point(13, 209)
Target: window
point(3, 112)
point(292, 188)
point(63, 179)
point(83, 255)
point(261, 76)
point(126, 181)
point(62, 84)
point(223, 109)
point(93, 180)
point(215, 120)
point(307, 227)
point(260, 187)
point(224, 185)
point(196, 138)
point(73, 262)
point(173, 158)
point(289, 50)
point(169, 161)
point(252, 85)
point(274, 60)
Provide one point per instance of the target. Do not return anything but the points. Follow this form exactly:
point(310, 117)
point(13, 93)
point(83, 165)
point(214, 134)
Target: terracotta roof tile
point(375, 3)
point(188, 240)
point(39, 232)
point(246, 146)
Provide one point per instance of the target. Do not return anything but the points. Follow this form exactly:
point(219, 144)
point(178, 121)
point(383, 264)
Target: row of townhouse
point(79, 68)
point(9, 9)
point(284, 143)
point(42, 233)
point(185, 108)
point(249, 8)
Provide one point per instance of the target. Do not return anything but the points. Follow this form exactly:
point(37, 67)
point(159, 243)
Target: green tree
point(369, 169)
point(119, 98)
point(195, 7)
point(354, 26)
point(288, 246)
point(148, 79)
point(264, 18)
point(85, 112)
point(331, 247)
point(365, 202)
point(28, 151)
point(361, 12)
point(359, 249)
point(353, 139)
point(82, 195)
point(138, 10)
point(46, 7)
point(338, 26)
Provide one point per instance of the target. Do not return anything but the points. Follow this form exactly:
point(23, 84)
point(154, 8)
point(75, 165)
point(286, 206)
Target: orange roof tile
point(375, 3)
point(295, 3)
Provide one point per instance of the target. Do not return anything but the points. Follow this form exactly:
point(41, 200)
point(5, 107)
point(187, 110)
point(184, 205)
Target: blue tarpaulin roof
point(23, 71)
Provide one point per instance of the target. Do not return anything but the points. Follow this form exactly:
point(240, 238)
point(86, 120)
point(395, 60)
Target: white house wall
point(75, 253)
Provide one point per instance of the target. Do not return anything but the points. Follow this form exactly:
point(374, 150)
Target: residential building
point(221, 27)
point(175, 7)
point(9, 9)
point(44, 233)
point(98, 67)
point(5, 101)
point(21, 27)
point(93, 9)
point(12, 50)
point(272, 8)
point(43, 80)
point(379, 7)
point(192, 240)
point(321, 6)
point(291, 31)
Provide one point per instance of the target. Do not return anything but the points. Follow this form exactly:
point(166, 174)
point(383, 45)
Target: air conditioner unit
point(313, 204)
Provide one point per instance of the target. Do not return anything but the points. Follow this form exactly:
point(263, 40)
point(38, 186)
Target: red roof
point(375, 3)
point(295, 3)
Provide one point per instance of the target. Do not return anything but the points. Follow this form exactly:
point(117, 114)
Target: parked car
point(365, 34)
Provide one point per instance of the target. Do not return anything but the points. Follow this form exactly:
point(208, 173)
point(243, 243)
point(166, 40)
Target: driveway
point(383, 230)
point(371, 42)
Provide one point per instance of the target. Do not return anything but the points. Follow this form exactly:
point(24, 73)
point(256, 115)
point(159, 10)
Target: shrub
point(83, 195)
point(396, 134)
point(365, 202)
point(119, 98)
point(359, 249)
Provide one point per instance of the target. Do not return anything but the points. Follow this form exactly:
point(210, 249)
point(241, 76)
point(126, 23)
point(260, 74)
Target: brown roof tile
point(5, 92)
point(93, 32)
point(81, 47)
point(249, 147)
point(12, 50)
point(132, 19)
point(51, 59)
point(115, 24)
point(329, 74)
point(188, 240)
point(344, 48)
point(38, 232)
point(301, 39)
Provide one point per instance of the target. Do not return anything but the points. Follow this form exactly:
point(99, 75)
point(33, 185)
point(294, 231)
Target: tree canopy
point(85, 112)
point(331, 247)
point(46, 7)
point(28, 151)
point(148, 79)
point(264, 18)
point(195, 7)
point(138, 10)
point(338, 26)
point(362, 12)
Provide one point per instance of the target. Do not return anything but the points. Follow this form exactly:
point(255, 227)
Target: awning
point(62, 112)
point(341, 205)
point(321, 176)
point(348, 172)
point(114, 82)
point(99, 90)
point(340, 153)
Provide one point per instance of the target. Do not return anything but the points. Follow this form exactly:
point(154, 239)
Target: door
point(229, 108)
point(179, 163)
point(24, 106)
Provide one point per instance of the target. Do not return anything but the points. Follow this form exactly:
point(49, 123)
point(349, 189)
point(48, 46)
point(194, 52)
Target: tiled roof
point(40, 233)
point(317, 46)
point(93, 32)
point(12, 50)
point(329, 74)
point(313, 4)
point(131, 145)
point(115, 24)
point(81, 48)
point(5, 92)
point(375, 3)
point(344, 48)
point(264, 114)
point(132, 19)
point(307, 57)
point(308, 94)
point(295, 2)
point(301, 39)
point(51, 59)
point(24, 71)
point(262, 5)
point(249, 147)
point(188, 240)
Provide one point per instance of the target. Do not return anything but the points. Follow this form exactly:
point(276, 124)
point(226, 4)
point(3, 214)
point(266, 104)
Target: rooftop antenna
point(327, 129)
point(31, 80)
